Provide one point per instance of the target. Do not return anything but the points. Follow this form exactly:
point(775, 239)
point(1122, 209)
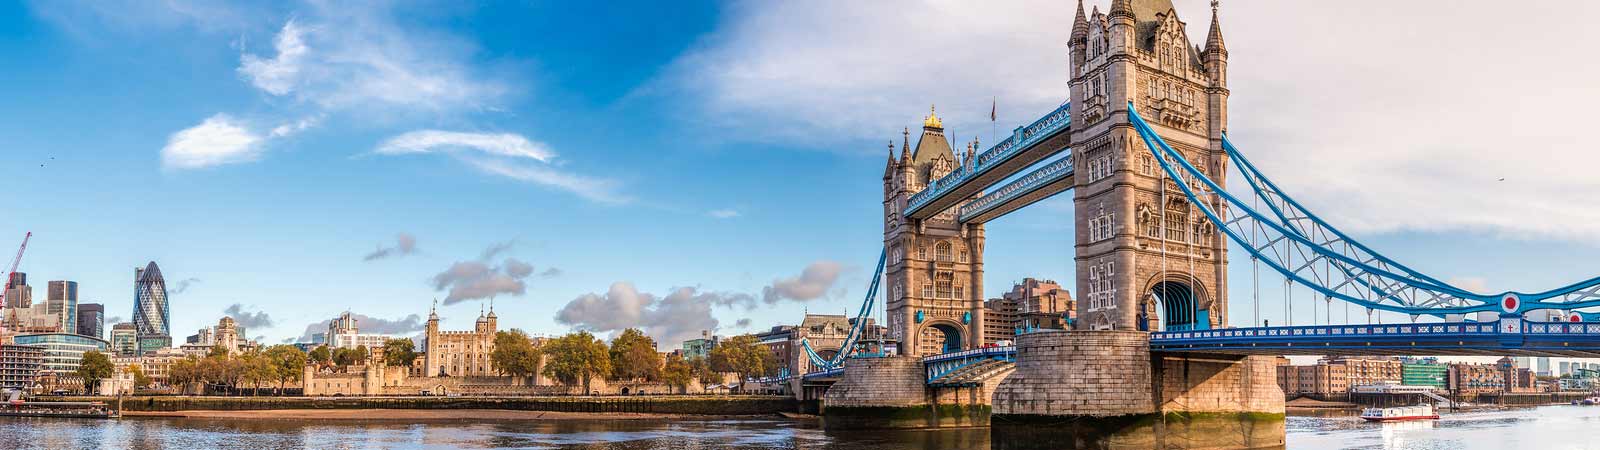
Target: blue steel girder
point(1522, 338)
point(1026, 146)
point(848, 347)
point(1040, 184)
point(1330, 263)
point(940, 365)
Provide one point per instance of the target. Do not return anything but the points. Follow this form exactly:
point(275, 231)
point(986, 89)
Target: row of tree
point(579, 358)
point(576, 358)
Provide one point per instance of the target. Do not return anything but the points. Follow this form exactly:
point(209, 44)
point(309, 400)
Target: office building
point(150, 310)
point(18, 293)
point(19, 366)
point(92, 320)
point(344, 332)
point(62, 351)
point(1424, 372)
point(62, 300)
point(125, 339)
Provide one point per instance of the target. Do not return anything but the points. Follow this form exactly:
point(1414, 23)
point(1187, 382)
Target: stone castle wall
point(1219, 384)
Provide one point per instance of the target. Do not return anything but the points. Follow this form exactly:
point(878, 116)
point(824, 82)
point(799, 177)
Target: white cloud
point(497, 144)
point(866, 69)
point(1405, 125)
point(217, 141)
point(278, 75)
point(339, 58)
point(506, 155)
point(723, 213)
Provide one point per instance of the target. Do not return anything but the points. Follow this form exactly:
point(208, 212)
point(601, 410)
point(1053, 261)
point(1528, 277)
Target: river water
point(1549, 427)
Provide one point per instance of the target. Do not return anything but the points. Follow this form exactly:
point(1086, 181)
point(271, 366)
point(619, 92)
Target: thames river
point(1550, 427)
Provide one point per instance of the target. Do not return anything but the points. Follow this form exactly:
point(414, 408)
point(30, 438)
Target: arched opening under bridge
point(1179, 307)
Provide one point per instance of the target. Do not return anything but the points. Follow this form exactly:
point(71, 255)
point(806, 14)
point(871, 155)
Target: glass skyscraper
point(62, 299)
point(150, 314)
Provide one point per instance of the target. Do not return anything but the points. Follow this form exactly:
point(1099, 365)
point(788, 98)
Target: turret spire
point(1080, 26)
point(1121, 7)
point(905, 148)
point(1214, 38)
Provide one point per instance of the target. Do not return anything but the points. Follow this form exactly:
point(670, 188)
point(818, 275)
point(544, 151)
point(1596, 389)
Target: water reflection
point(1552, 427)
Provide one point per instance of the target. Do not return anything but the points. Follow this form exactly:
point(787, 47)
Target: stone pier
point(1106, 390)
point(876, 393)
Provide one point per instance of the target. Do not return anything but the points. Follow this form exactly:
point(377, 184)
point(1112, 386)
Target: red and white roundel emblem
point(1509, 303)
point(1575, 318)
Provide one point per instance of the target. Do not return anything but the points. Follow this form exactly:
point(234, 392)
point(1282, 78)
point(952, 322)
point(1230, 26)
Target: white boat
point(1419, 412)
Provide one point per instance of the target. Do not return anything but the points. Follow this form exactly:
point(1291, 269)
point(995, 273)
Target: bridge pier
point(1105, 389)
point(878, 393)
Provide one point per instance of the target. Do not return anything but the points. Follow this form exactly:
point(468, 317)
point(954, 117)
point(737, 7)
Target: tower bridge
point(1146, 121)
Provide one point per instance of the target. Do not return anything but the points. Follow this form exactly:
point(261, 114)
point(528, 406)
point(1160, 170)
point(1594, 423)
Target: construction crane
point(14, 263)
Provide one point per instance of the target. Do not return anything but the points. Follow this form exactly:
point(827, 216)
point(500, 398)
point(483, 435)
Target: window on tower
point(943, 251)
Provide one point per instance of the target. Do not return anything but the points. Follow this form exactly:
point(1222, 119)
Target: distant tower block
point(1146, 258)
point(934, 271)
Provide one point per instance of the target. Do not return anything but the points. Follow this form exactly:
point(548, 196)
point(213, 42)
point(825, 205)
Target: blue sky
point(687, 165)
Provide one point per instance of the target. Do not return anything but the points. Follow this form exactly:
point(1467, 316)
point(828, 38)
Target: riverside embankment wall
point(708, 405)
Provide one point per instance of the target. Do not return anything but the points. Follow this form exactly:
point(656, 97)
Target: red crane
point(14, 263)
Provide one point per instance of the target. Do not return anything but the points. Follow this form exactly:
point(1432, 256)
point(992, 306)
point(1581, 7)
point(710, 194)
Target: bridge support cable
point(860, 322)
point(1363, 277)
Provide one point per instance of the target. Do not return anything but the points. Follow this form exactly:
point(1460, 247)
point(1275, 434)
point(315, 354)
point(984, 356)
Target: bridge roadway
point(1508, 337)
point(1026, 146)
point(1557, 339)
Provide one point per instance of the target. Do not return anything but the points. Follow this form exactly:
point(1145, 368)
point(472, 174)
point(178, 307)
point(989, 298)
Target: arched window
point(943, 251)
point(943, 284)
point(1177, 222)
point(922, 251)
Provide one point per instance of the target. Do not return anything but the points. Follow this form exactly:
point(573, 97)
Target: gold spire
point(932, 121)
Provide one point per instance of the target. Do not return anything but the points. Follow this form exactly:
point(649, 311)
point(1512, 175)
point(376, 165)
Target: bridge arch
point(1174, 302)
point(950, 335)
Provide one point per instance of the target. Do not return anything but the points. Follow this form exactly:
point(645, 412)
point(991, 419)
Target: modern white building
point(344, 332)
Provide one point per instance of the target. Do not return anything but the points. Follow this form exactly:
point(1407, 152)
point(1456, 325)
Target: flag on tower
point(993, 106)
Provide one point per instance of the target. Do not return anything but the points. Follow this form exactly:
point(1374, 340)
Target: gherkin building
point(150, 302)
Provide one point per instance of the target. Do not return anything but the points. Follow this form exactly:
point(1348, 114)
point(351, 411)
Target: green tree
point(183, 373)
point(743, 355)
point(514, 354)
point(321, 355)
point(677, 372)
point(289, 362)
point(701, 368)
point(343, 357)
point(633, 356)
point(399, 352)
point(140, 380)
point(576, 357)
point(94, 367)
point(358, 356)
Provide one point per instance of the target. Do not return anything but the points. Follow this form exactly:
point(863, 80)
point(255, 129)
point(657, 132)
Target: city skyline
point(355, 197)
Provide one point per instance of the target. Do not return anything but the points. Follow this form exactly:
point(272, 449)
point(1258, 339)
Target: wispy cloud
point(183, 285)
point(503, 154)
point(337, 57)
point(482, 279)
point(404, 325)
point(813, 283)
point(723, 213)
point(495, 144)
point(249, 320)
point(218, 140)
point(405, 244)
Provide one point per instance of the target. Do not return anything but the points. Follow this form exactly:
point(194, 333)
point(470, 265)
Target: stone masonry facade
point(1078, 373)
point(1146, 258)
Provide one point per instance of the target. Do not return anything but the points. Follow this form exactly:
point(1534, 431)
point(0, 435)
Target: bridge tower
point(1146, 259)
point(934, 271)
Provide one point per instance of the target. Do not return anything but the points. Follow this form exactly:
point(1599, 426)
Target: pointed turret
point(905, 149)
point(1214, 37)
point(1080, 27)
point(1216, 54)
point(1121, 8)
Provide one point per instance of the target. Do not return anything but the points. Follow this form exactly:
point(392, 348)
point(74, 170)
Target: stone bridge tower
point(934, 267)
point(1146, 259)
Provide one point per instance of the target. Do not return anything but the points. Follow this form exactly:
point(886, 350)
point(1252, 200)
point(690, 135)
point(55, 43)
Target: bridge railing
point(986, 351)
point(1377, 330)
point(1020, 139)
point(1044, 175)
